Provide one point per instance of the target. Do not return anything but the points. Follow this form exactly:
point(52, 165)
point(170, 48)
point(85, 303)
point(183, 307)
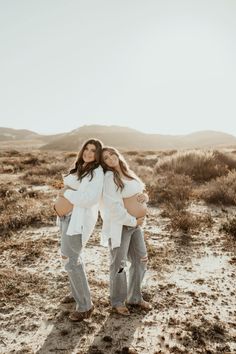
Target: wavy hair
point(89, 168)
point(126, 171)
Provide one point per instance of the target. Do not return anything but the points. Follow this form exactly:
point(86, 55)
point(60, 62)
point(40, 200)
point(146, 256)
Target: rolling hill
point(120, 137)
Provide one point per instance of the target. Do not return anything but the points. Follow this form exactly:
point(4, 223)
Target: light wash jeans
point(132, 248)
point(71, 247)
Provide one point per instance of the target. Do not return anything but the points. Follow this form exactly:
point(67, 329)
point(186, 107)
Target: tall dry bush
point(144, 161)
point(183, 220)
point(171, 190)
point(222, 190)
point(199, 165)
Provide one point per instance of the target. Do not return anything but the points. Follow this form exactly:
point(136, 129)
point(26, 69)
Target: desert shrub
point(5, 190)
point(183, 220)
point(70, 155)
point(145, 173)
point(44, 175)
point(34, 180)
point(23, 208)
point(150, 162)
point(51, 170)
point(222, 190)
point(12, 152)
point(34, 161)
point(11, 165)
point(131, 153)
point(229, 227)
point(226, 159)
point(171, 189)
point(167, 152)
point(200, 166)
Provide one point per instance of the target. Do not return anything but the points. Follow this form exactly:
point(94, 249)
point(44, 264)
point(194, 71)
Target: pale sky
point(159, 66)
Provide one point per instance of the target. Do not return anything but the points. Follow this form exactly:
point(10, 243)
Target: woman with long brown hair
point(83, 189)
point(124, 209)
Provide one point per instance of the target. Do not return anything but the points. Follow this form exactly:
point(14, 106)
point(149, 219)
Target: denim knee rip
point(122, 266)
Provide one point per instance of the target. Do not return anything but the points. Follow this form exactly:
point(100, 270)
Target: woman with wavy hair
point(83, 188)
point(123, 211)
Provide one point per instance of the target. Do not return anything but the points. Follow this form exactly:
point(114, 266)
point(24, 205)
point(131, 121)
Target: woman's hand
point(142, 198)
point(140, 221)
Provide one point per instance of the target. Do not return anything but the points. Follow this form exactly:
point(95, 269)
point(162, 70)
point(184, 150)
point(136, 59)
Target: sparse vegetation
point(229, 227)
point(23, 207)
point(200, 166)
point(32, 283)
point(183, 220)
point(172, 190)
point(18, 285)
point(222, 190)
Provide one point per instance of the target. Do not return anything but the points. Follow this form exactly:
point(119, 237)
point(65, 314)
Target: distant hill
point(127, 138)
point(120, 137)
point(7, 134)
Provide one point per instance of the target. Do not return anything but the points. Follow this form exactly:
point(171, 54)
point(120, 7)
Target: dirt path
point(190, 282)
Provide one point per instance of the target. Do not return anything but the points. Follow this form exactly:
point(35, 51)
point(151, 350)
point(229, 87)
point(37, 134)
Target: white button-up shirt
point(113, 213)
point(85, 200)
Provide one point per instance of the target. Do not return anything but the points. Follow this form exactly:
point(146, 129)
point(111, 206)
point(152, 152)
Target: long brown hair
point(123, 166)
point(81, 170)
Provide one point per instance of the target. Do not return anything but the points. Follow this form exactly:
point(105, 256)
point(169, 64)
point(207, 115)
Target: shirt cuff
point(68, 194)
point(134, 221)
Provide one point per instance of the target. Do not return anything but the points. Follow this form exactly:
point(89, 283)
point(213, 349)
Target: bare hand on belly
point(134, 206)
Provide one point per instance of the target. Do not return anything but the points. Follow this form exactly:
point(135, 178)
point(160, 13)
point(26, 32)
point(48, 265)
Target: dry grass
point(199, 165)
point(23, 207)
point(18, 285)
point(185, 221)
point(229, 227)
point(171, 189)
point(27, 251)
point(222, 190)
point(170, 184)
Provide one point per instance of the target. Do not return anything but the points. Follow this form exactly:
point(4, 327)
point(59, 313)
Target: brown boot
point(121, 310)
point(143, 306)
point(77, 316)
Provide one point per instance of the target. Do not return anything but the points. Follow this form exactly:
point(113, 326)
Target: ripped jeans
point(71, 247)
point(133, 249)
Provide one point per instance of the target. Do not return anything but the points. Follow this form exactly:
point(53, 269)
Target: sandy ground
point(190, 283)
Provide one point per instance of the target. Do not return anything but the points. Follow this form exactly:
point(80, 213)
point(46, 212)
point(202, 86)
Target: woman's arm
point(113, 202)
point(90, 195)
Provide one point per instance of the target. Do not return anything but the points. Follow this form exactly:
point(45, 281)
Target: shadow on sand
point(104, 332)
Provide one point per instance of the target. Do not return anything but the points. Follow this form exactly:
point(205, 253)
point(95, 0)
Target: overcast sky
point(161, 66)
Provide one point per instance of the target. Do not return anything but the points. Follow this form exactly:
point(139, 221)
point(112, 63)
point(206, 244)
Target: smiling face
point(110, 159)
point(89, 153)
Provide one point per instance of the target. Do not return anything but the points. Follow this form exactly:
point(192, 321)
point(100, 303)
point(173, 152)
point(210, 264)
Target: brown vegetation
point(199, 165)
point(229, 227)
point(222, 190)
point(186, 316)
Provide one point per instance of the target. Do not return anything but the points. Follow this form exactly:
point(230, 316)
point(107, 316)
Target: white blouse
point(86, 199)
point(132, 187)
point(113, 212)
